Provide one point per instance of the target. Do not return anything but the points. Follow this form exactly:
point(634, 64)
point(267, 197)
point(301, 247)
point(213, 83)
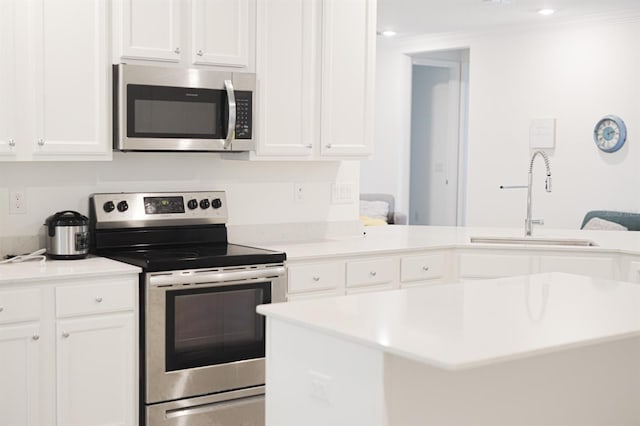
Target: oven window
point(175, 112)
point(215, 325)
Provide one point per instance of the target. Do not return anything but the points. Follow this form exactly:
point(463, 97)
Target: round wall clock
point(610, 133)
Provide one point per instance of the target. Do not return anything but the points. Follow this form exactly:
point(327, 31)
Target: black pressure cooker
point(67, 235)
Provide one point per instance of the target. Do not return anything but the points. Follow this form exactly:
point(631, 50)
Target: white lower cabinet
point(494, 264)
point(372, 275)
point(69, 352)
point(320, 278)
point(593, 266)
point(424, 269)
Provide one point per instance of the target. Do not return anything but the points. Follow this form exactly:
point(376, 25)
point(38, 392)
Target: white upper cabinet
point(7, 78)
point(151, 30)
point(198, 32)
point(315, 66)
point(58, 57)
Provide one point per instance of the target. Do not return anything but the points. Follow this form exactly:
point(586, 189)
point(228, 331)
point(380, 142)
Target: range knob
point(192, 203)
point(123, 206)
point(216, 203)
point(109, 206)
point(204, 204)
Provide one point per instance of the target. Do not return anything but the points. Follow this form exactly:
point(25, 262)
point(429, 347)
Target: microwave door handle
point(231, 130)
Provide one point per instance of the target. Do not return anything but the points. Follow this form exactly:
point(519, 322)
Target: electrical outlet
point(320, 386)
point(298, 192)
point(17, 202)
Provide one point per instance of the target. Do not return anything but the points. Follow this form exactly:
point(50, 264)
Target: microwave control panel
point(244, 108)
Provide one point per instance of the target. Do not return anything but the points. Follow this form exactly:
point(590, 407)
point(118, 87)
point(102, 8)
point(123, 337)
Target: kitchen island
point(545, 349)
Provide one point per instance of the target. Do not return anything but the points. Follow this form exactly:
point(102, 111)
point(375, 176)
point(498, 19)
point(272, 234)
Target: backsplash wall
point(260, 195)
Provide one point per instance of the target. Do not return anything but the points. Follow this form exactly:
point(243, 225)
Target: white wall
point(575, 73)
point(260, 195)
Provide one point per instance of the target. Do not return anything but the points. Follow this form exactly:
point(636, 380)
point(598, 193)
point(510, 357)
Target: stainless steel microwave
point(177, 109)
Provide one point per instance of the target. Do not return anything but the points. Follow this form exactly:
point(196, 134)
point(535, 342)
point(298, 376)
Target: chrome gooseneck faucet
point(528, 222)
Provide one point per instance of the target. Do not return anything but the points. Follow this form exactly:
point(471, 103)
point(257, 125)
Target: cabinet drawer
point(371, 272)
point(493, 265)
point(20, 305)
point(426, 267)
point(317, 276)
point(95, 298)
point(600, 267)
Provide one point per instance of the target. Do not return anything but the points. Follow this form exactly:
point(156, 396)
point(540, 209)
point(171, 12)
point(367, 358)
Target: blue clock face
point(610, 133)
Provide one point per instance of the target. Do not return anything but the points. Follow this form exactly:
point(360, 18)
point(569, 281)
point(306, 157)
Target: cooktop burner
point(195, 257)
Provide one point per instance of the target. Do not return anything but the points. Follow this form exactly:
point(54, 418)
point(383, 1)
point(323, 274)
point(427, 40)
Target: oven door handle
point(231, 129)
point(213, 278)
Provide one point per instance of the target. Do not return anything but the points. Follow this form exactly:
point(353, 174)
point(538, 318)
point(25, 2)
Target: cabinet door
point(20, 347)
point(151, 30)
point(71, 80)
point(96, 377)
point(220, 32)
point(7, 78)
point(287, 61)
point(348, 62)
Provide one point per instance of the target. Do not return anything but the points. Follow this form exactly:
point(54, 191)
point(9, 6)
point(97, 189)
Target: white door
point(20, 349)
point(287, 61)
point(71, 84)
point(7, 78)
point(151, 30)
point(348, 61)
point(220, 32)
point(435, 130)
point(96, 381)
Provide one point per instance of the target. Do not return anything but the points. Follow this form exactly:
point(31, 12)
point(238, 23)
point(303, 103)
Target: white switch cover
point(542, 133)
point(298, 192)
point(320, 386)
point(342, 193)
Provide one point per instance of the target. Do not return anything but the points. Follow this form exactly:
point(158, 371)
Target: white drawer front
point(427, 267)
point(95, 298)
point(592, 266)
point(313, 277)
point(493, 265)
point(371, 272)
point(20, 305)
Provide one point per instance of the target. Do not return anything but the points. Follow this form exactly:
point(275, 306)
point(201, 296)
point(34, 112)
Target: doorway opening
point(438, 153)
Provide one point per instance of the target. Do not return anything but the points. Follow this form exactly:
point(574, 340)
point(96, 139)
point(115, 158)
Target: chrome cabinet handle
point(309, 146)
point(176, 50)
point(373, 273)
point(1, 309)
point(316, 279)
point(199, 53)
point(65, 334)
point(98, 299)
point(35, 337)
point(12, 142)
point(231, 129)
point(40, 142)
point(328, 146)
point(425, 268)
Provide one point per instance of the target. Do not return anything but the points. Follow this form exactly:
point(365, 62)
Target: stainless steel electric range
point(202, 344)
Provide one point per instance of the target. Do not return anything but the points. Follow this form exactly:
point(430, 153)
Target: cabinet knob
point(316, 279)
point(309, 146)
point(176, 50)
point(98, 299)
point(199, 53)
point(328, 146)
point(35, 337)
point(425, 268)
point(11, 142)
point(65, 334)
point(1, 309)
point(40, 142)
point(373, 273)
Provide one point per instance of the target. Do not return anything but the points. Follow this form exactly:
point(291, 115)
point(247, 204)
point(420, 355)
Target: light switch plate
point(542, 133)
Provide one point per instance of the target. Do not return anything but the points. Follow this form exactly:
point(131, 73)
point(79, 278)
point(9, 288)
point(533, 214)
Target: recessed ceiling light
point(388, 33)
point(546, 12)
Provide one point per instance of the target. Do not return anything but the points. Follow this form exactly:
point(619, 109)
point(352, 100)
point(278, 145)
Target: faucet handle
point(513, 187)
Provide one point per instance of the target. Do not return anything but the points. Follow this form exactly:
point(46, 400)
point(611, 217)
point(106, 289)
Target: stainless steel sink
point(534, 241)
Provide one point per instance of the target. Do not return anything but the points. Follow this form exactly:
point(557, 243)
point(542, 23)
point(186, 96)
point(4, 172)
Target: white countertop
point(398, 238)
point(33, 270)
point(457, 326)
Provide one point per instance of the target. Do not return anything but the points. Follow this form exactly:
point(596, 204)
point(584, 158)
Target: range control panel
point(129, 209)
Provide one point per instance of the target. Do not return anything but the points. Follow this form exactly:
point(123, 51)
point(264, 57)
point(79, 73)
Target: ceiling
point(413, 17)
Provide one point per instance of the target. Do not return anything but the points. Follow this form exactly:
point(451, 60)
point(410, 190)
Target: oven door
point(202, 332)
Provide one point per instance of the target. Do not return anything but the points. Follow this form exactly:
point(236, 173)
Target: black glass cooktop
point(194, 257)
